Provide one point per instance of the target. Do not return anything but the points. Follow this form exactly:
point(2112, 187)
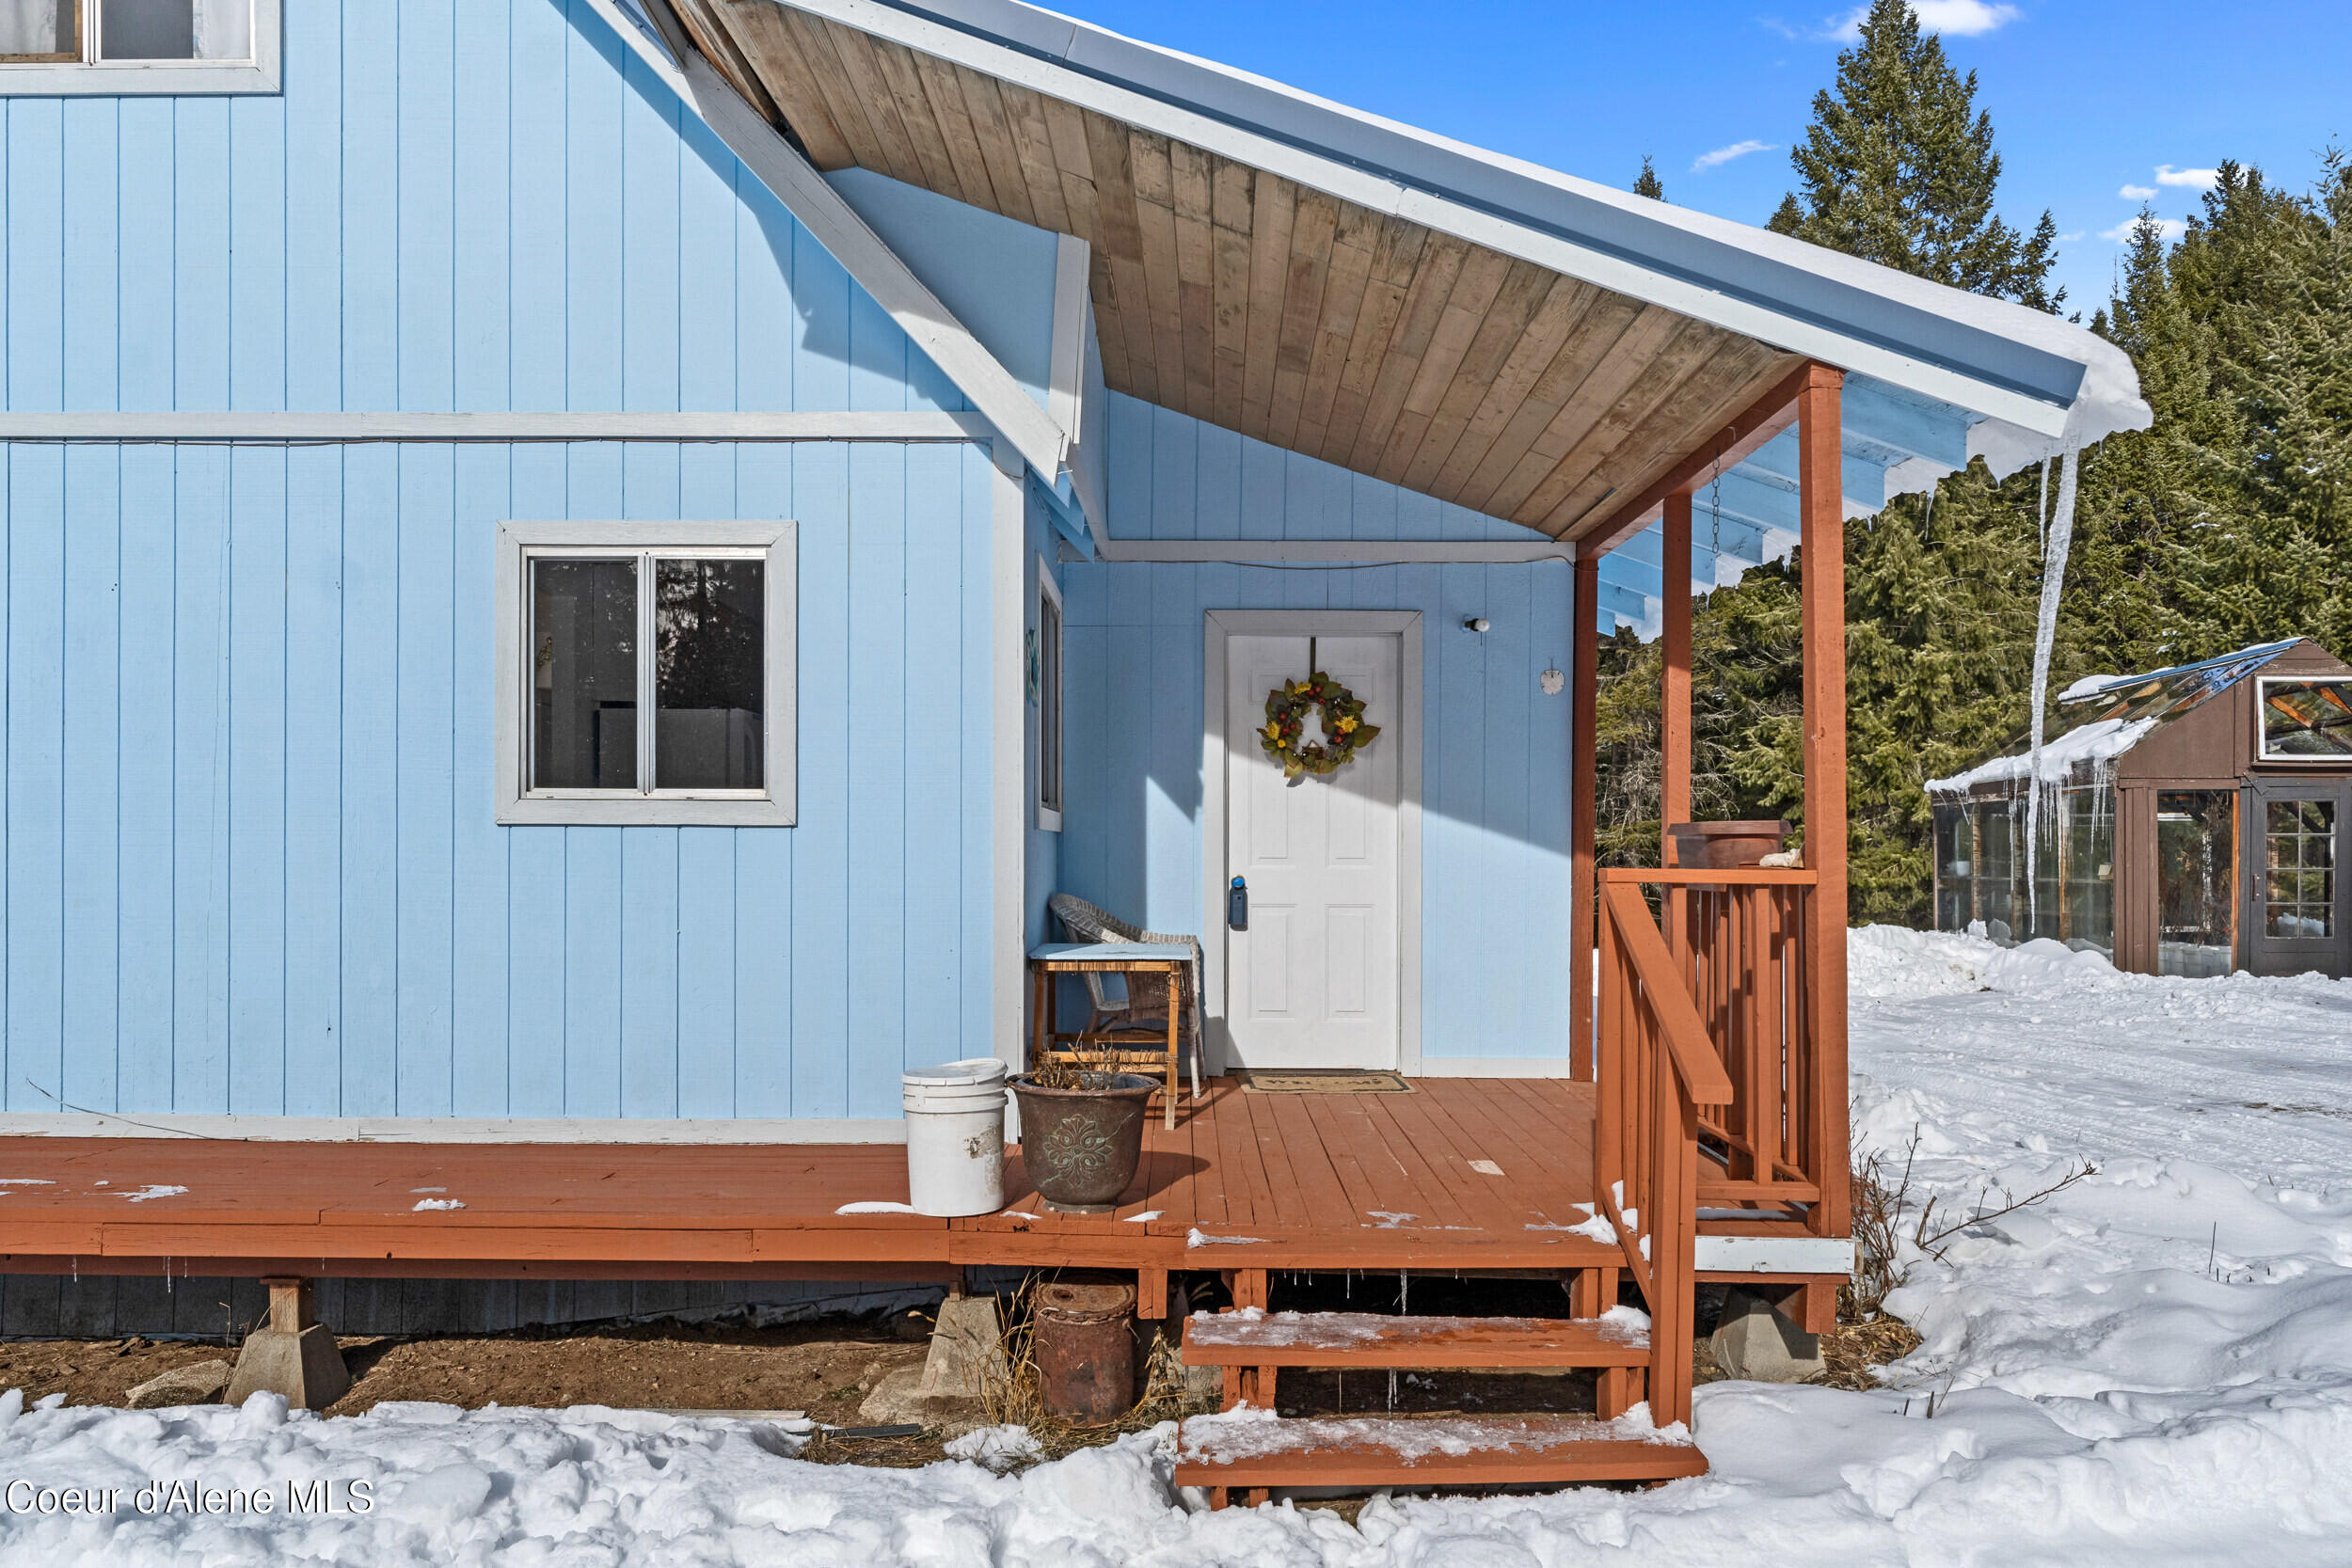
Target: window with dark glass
point(2299, 868)
point(1995, 867)
point(709, 653)
point(2087, 894)
point(100, 31)
point(1954, 851)
point(678, 642)
point(1049, 739)
point(2196, 844)
point(2305, 720)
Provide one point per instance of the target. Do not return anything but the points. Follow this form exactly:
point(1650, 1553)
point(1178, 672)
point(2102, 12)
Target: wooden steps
point(1254, 1449)
point(1251, 1450)
point(1251, 1338)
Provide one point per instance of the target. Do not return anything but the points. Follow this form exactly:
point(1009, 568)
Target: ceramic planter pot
point(1081, 1145)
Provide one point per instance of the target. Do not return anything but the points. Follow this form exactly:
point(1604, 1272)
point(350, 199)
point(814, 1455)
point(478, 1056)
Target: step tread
point(1249, 1448)
point(1252, 1336)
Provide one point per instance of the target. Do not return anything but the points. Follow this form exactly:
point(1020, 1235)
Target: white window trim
point(2262, 731)
point(90, 77)
point(1049, 817)
point(777, 806)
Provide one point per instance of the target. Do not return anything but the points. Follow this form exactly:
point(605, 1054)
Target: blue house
point(578, 571)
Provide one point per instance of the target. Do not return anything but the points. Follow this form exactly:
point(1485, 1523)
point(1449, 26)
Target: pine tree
point(2267, 279)
point(1898, 167)
point(1647, 183)
point(1940, 595)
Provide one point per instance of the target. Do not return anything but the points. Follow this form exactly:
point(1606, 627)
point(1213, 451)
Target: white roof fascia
point(2101, 403)
point(831, 220)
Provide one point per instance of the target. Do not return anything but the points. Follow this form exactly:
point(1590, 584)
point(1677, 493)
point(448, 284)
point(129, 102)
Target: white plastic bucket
point(955, 1136)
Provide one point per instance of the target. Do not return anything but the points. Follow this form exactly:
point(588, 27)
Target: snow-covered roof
point(2102, 717)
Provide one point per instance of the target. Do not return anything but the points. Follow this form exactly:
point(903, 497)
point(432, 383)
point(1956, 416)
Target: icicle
point(1404, 1290)
point(2059, 541)
point(1392, 1390)
point(2041, 513)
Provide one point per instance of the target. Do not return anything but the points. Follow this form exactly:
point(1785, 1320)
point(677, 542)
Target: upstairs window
point(2304, 721)
point(131, 46)
point(645, 673)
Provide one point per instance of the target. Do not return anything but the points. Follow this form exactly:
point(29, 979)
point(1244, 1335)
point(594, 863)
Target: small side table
point(1050, 1044)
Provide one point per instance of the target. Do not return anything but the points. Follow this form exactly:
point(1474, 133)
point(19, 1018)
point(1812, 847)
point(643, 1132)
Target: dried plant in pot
point(1082, 1131)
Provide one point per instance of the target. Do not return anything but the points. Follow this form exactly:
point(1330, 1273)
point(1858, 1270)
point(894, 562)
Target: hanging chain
point(1715, 513)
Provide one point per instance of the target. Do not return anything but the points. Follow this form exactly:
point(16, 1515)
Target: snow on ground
point(2152, 1366)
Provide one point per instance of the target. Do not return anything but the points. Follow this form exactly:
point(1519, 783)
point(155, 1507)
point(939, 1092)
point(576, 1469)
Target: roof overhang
point(1535, 346)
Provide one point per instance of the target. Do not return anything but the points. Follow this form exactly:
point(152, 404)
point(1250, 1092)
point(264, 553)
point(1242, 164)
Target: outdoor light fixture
point(1476, 623)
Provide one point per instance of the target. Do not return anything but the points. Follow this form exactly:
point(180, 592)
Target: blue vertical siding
point(247, 840)
point(250, 856)
point(1495, 759)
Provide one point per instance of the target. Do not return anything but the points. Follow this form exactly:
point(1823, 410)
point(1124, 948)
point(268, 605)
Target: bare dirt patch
point(822, 1368)
point(97, 1371)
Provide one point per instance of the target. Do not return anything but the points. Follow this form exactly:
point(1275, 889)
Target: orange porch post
point(1584, 787)
point(1822, 504)
point(1673, 763)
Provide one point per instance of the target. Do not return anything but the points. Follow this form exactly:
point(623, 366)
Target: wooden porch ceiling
point(1273, 308)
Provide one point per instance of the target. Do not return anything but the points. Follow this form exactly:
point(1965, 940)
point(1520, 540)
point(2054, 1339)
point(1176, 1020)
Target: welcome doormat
point(1321, 1081)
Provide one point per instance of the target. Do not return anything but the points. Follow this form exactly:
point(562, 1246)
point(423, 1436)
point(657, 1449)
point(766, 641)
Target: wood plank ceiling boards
point(1285, 312)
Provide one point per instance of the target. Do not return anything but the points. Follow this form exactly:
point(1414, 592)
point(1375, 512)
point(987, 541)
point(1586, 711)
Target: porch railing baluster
point(1706, 1066)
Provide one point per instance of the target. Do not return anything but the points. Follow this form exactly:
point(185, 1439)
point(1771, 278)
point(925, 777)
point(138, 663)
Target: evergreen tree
point(1940, 595)
point(2227, 522)
point(1647, 183)
point(1898, 168)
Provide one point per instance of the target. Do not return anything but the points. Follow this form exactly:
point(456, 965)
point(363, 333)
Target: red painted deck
point(1459, 1174)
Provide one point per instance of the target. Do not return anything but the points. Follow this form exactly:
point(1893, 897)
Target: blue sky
point(2086, 97)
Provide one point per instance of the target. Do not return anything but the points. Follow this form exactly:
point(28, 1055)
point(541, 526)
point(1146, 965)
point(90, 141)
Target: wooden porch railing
point(1739, 939)
point(1657, 1068)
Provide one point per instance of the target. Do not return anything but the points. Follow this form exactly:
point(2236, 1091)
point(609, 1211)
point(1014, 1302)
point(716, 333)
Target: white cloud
point(2166, 228)
point(2195, 178)
point(2071, 239)
point(1725, 155)
point(2137, 193)
point(1959, 19)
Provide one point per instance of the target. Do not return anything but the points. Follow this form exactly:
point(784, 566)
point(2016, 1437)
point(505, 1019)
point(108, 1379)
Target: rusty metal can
point(1085, 1351)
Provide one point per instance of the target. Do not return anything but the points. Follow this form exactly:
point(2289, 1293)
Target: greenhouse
point(2185, 821)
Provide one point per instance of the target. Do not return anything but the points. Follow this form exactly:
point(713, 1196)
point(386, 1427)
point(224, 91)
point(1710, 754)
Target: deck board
point(1308, 1174)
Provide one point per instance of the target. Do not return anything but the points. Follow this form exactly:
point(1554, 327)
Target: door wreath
point(1344, 731)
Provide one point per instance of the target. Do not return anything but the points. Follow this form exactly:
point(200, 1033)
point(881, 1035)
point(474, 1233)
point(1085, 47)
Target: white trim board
point(268, 426)
point(458, 1130)
point(1776, 1254)
point(1364, 552)
point(1495, 1067)
point(1008, 758)
point(1404, 624)
point(835, 224)
point(1073, 312)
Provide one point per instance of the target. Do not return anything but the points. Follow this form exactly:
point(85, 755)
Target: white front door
point(1314, 982)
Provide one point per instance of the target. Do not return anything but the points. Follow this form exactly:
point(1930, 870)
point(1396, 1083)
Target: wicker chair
point(1140, 1001)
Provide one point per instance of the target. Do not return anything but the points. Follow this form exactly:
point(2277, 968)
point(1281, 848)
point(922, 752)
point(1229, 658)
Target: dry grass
point(1016, 1397)
point(1854, 1352)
